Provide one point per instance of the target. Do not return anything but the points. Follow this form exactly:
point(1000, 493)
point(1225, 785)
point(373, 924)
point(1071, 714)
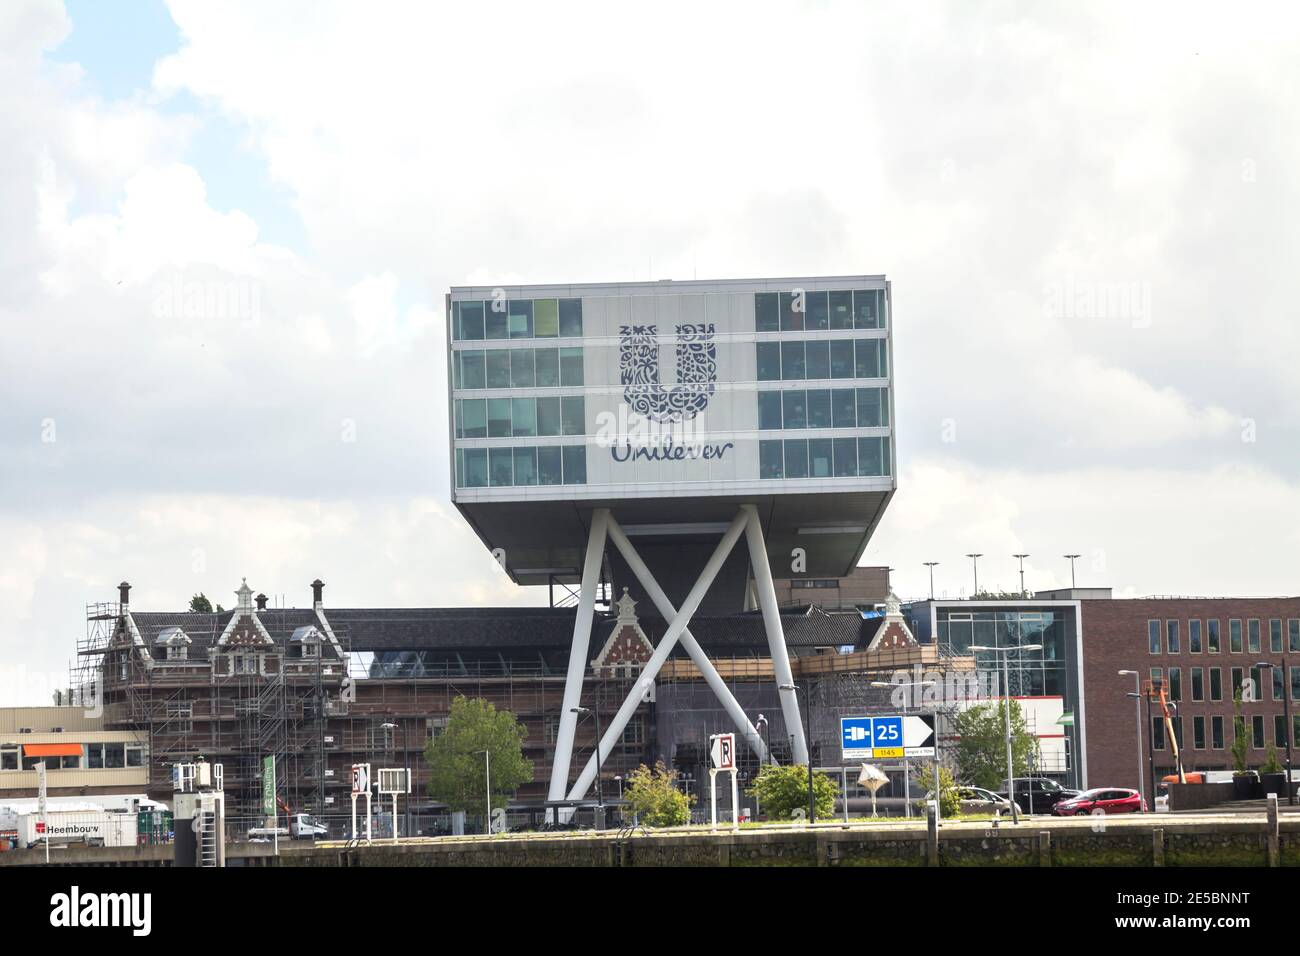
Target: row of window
point(516, 319)
point(797, 311)
point(823, 458)
point(506, 467)
point(517, 368)
point(1171, 631)
point(520, 417)
point(824, 408)
point(1174, 685)
point(1258, 739)
point(834, 358)
point(97, 756)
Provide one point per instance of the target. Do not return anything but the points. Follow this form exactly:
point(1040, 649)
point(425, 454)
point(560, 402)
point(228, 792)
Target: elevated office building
point(581, 458)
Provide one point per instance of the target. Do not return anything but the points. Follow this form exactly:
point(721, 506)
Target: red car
point(1101, 800)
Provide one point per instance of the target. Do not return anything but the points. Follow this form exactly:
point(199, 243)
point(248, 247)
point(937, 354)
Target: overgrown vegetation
point(781, 790)
point(653, 796)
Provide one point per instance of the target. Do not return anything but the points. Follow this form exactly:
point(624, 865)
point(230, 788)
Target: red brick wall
point(1115, 638)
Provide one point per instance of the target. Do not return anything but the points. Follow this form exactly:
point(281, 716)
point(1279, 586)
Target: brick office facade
point(1175, 639)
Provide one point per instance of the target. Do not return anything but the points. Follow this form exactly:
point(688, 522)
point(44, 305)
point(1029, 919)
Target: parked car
point(979, 800)
point(1039, 794)
point(1102, 800)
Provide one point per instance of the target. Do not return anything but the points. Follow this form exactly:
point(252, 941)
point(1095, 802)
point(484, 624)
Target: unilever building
point(630, 434)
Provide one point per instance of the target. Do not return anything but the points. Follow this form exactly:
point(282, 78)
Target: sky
point(1087, 214)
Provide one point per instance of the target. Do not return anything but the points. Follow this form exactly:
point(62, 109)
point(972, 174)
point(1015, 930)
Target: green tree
point(981, 751)
point(200, 604)
point(654, 797)
point(782, 789)
point(1239, 743)
point(456, 762)
point(949, 798)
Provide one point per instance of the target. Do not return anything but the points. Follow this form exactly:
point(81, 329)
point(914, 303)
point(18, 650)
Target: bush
point(654, 797)
point(781, 790)
point(949, 797)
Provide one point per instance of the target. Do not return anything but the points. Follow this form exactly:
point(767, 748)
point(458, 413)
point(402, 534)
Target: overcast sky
point(1088, 215)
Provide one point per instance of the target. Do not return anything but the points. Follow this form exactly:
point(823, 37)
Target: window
point(794, 405)
point(791, 312)
point(546, 318)
point(817, 310)
point(846, 457)
point(571, 367)
point(1216, 733)
point(180, 716)
point(1175, 683)
point(819, 408)
point(1157, 733)
point(520, 316)
point(471, 320)
point(135, 755)
point(498, 368)
point(869, 358)
point(522, 372)
point(1174, 642)
point(1194, 637)
point(1153, 637)
point(1234, 636)
point(634, 732)
point(1278, 680)
point(435, 727)
point(769, 459)
point(549, 469)
point(9, 757)
point(473, 418)
point(841, 306)
point(501, 470)
point(1275, 635)
point(1279, 729)
point(843, 409)
point(525, 461)
point(1216, 683)
point(1212, 635)
point(867, 309)
point(1293, 635)
point(1252, 635)
point(1295, 683)
point(769, 410)
point(794, 362)
point(1236, 674)
point(766, 315)
point(769, 361)
point(575, 465)
point(817, 359)
point(1198, 733)
point(498, 410)
point(495, 321)
point(842, 365)
point(1198, 684)
point(523, 417)
point(873, 457)
point(573, 414)
point(819, 458)
point(471, 369)
point(796, 458)
point(548, 416)
point(571, 318)
point(873, 407)
point(1257, 731)
point(547, 362)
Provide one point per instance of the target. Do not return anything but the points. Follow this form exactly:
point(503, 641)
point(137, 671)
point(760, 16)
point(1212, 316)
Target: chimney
point(123, 594)
point(261, 602)
point(317, 587)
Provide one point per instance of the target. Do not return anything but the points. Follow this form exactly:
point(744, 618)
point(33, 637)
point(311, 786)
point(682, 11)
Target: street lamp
point(1071, 557)
point(930, 565)
point(1137, 714)
point(1021, 559)
point(1151, 745)
point(1006, 690)
point(487, 771)
point(975, 565)
point(938, 789)
point(807, 729)
point(761, 726)
point(1286, 709)
point(600, 792)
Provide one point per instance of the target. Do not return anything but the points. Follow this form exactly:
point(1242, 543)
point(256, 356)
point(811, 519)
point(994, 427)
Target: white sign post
point(360, 787)
point(42, 792)
point(395, 781)
point(722, 754)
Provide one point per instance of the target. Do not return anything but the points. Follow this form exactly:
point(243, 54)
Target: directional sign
point(722, 749)
point(881, 738)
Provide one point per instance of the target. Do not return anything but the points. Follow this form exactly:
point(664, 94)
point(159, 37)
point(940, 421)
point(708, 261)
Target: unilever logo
point(661, 425)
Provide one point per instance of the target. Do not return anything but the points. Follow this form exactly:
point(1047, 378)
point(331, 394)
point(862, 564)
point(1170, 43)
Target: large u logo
point(697, 372)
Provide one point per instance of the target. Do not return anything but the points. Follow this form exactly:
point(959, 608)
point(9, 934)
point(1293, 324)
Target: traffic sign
point(722, 749)
point(892, 736)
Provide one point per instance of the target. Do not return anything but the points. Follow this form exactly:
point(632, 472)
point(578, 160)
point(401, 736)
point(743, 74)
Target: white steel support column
point(578, 653)
point(691, 646)
point(615, 730)
point(775, 635)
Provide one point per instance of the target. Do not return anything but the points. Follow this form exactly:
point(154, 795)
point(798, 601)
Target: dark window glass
point(549, 469)
point(1257, 731)
point(573, 412)
point(842, 358)
point(500, 467)
point(792, 312)
point(471, 369)
point(843, 412)
point(1279, 678)
point(548, 368)
point(546, 318)
point(474, 417)
point(570, 368)
point(1252, 635)
point(769, 361)
point(525, 466)
point(1175, 683)
point(1279, 730)
point(1295, 683)
point(819, 408)
point(846, 457)
point(873, 458)
point(498, 417)
point(869, 410)
point(1275, 635)
point(1175, 643)
point(476, 467)
point(575, 464)
point(795, 408)
point(1194, 636)
point(471, 320)
point(769, 410)
point(1153, 637)
point(818, 359)
point(819, 317)
point(1157, 733)
point(793, 367)
point(494, 320)
point(1234, 636)
point(796, 458)
point(766, 316)
point(841, 310)
point(571, 325)
point(1212, 635)
point(521, 369)
point(1216, 732)
point(1293, 635)
point(867, 358)
point(548, 416)
point(819, 457)
point(498, 368)
point(523, 416)
point(1198, 733)
point(769, 459)
point(521, 318)
point(1198, 684)
point(865, 310)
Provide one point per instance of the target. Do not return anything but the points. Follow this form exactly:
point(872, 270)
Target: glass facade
point(1031, 673)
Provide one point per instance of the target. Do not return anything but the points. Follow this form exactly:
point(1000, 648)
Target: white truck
point(92, 827)
point(302, 826)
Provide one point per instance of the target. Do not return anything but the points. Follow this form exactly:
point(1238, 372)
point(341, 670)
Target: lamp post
point(1005, 653)
point(761, 726)
point(1286, 710)
point(600, 792)
point(1137, 715)
point(1021, 559)
point(1071, 557)
point(930, 565)
point(807, 730)
point(938, 788)
point(1151, 744)
point(975, 566)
